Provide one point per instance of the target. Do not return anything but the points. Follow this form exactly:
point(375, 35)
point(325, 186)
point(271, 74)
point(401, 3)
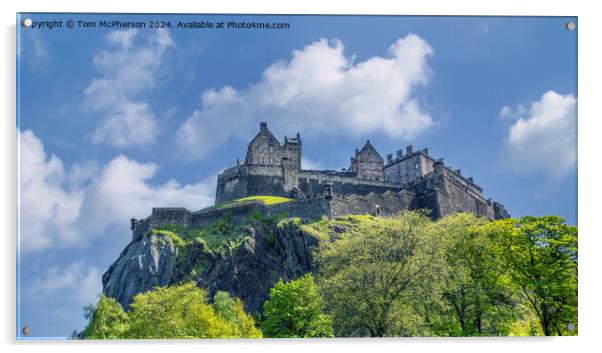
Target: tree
point(475, 285)
point(541, 256)
point(106, 320)
point(232, 311)
point(367, 276)
point(295, 310)
point(180, 311)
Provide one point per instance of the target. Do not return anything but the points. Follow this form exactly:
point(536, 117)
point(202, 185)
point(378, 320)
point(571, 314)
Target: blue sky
point(114, 122)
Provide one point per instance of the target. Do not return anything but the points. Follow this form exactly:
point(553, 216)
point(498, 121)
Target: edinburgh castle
point(370, 185)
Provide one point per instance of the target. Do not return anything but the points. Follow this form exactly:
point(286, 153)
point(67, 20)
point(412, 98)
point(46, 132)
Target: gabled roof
point(264, 131)
point(368, 150)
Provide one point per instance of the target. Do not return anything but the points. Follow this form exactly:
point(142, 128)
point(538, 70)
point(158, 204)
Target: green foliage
point(295, 310)
point(367, 276)
point(458, 276)
point(106, 320)
point(475, 287)
point(375, 276)
point(272, 237)
point(216, 237)
point(328, 230)
point(172, 312)
point(541, 257)
point(232, 311)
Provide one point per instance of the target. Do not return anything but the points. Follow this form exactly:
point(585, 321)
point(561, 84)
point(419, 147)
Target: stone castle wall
point(253, 180)
point(387, 204)
point(312, 208)
point(442, 192)
point(445, 194)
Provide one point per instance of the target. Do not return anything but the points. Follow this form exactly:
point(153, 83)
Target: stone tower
point(265, 149)
point(405, 168)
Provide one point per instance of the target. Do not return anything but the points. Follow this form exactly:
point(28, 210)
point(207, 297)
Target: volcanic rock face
point(142, 265)
point(247, 270)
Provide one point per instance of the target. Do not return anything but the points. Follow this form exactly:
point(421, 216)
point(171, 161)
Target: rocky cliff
point(246, 260)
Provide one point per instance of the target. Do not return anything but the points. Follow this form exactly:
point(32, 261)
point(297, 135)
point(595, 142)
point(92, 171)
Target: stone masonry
point(371, 185)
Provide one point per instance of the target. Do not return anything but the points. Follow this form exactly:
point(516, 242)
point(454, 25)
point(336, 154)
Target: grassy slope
point(266, 200)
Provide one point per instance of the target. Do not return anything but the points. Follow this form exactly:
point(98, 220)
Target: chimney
point(263, 126)
point(426, 151)
point(389, 158)
point(357, 151)
point(409, 149)
point(399, 154)
point(352, 160)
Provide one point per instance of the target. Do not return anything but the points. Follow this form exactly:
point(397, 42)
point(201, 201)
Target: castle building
point(367, 163)
point(371, 185)
point(271, 168)
point(265, 149)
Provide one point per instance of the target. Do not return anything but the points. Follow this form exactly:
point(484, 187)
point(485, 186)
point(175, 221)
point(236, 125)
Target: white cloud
point(129, 124)
point(545, 140)
point(78, 281)
point(505, 112)
point(60, 209)
point(310, 164)
point(129, 70)
point(122, 190)
point(47, 208)
point(320, 91)
point(508, 113)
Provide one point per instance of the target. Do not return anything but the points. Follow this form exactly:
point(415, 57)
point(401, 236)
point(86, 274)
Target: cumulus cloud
point(545, 139)
point(78, 281)
point(320, 91)
point(48, 208)
point(128, 69)
point(66, 207)
point(123, 190)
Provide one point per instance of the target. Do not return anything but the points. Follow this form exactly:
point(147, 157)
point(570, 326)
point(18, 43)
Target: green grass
point(266, 200)
point(324, 228)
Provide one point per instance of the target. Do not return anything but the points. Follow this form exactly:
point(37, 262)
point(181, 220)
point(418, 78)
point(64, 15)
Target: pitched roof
point(264, 131)
point(368, 149)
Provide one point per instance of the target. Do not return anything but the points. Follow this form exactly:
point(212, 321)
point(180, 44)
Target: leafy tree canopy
point(295, 310)
point(180, 311)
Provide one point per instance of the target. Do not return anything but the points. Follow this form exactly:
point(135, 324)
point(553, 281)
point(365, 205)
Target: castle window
point(260, 160)
point(271, 149)
point(260, 149)
point(271, 160)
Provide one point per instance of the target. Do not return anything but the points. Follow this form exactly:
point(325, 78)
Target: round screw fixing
point(26, 330)
point(570, 26)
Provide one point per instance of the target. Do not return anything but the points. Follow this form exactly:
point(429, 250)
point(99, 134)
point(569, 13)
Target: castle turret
point(438, 166)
